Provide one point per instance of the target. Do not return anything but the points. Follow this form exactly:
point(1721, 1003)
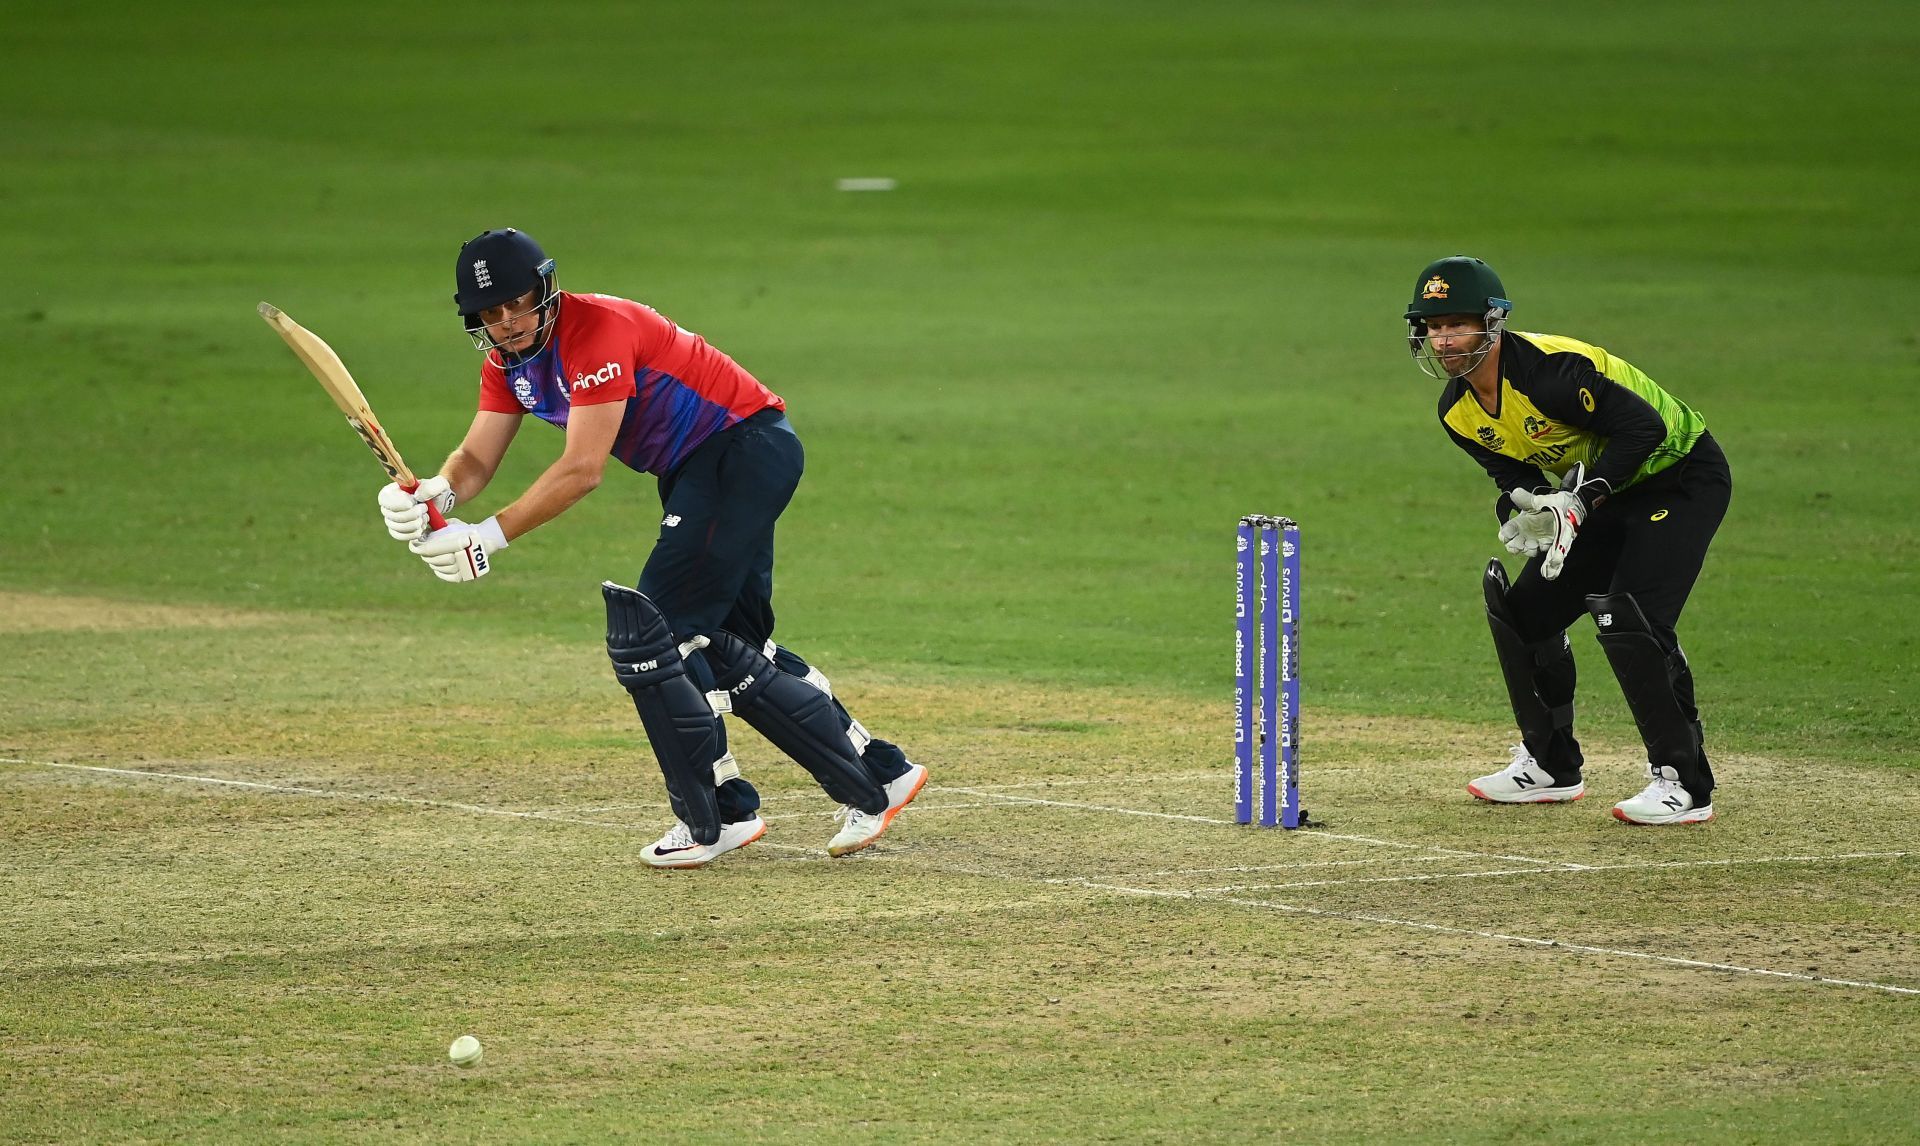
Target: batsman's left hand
point(461, 552)
point(406, 510)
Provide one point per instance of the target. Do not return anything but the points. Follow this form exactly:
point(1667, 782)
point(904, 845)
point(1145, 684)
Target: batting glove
point(461, 552)
point(406, 513)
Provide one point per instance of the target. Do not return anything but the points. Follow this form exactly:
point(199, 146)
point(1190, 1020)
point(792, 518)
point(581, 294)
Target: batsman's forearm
point(467, 474)
point(549, 496)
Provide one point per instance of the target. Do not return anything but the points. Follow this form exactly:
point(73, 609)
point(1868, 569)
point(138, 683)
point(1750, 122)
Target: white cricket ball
point(465, 1051)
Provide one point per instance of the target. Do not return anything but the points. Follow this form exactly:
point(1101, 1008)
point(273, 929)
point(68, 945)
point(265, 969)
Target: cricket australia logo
point(1436, 288)
point(1490, 439)
point(483, 278)
point(1537, 428)
point(523, 390)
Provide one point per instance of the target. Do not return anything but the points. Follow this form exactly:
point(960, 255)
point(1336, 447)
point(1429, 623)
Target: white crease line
point(1440, 850)
point(329, 793)
point(1315, 833)
point(1118, 781)
point(1531, 941)
point(375, 797)
point(918, 808)
point(991, 795)
point(1273, 866)
point(1644, 866)
point(1081, 882)
point(1087, 807)
point(771, 797)
point(550, 816)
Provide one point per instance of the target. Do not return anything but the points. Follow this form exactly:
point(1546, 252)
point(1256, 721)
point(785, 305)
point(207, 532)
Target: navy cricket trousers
point(712, 565)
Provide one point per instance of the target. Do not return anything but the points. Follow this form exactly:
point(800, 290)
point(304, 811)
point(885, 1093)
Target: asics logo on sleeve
point(606, 373)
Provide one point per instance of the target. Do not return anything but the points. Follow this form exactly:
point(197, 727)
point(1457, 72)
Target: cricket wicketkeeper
point(1612, 489)
point(696, 638)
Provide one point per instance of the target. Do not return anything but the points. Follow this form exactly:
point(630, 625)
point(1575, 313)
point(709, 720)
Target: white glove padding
point(1562, 513)
point(406, 513)
point(1528, 533)
point(460, 552)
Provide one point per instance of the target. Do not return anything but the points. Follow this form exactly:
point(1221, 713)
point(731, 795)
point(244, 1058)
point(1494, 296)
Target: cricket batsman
point(1612, 489)
point(695, 639)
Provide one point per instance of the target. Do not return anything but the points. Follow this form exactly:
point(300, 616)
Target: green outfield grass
point(1142, 273)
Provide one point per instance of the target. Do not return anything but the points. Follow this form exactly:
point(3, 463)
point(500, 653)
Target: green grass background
point(1142, 274)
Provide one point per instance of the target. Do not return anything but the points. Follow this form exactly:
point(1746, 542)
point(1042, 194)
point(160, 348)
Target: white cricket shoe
point(677, 849)
point(860, 829)
point(1663, 801)
point(1525, 782)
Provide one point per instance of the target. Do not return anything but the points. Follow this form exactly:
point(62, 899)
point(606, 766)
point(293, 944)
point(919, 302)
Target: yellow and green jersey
point(1564, 401)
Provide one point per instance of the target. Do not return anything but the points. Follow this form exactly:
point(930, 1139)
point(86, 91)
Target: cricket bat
point(311, 349)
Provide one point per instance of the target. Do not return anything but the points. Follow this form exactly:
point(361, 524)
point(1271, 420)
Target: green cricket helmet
point(1457, 284)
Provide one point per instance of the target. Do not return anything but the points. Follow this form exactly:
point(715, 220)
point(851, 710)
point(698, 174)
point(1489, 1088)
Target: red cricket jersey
point(679, 390)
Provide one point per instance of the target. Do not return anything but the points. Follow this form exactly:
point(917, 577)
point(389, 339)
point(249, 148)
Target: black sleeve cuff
point(1594, 491)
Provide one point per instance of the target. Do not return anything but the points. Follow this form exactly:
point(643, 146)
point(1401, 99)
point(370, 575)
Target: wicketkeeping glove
point(406, 513)
point(1528, 533)
point(461, 552)
point(1567, 507)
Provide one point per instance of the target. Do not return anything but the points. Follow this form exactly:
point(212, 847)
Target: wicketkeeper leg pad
point(1524, 664)
point(796, 717)
point(680, 724)
point(1648, 673)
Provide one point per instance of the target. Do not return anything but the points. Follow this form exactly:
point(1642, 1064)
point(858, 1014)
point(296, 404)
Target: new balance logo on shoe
point(1672, 802)
point(1523, 779)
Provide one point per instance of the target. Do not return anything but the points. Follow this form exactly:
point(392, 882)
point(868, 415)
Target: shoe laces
point(1660, 784)
point(849, 816)
point(1522, 759)
point(678, 836)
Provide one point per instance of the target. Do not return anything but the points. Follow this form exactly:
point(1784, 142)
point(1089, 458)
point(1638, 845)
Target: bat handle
point(434, 517)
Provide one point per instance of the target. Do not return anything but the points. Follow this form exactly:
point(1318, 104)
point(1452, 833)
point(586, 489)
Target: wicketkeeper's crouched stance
point(695, 639)
point(1636, 478)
